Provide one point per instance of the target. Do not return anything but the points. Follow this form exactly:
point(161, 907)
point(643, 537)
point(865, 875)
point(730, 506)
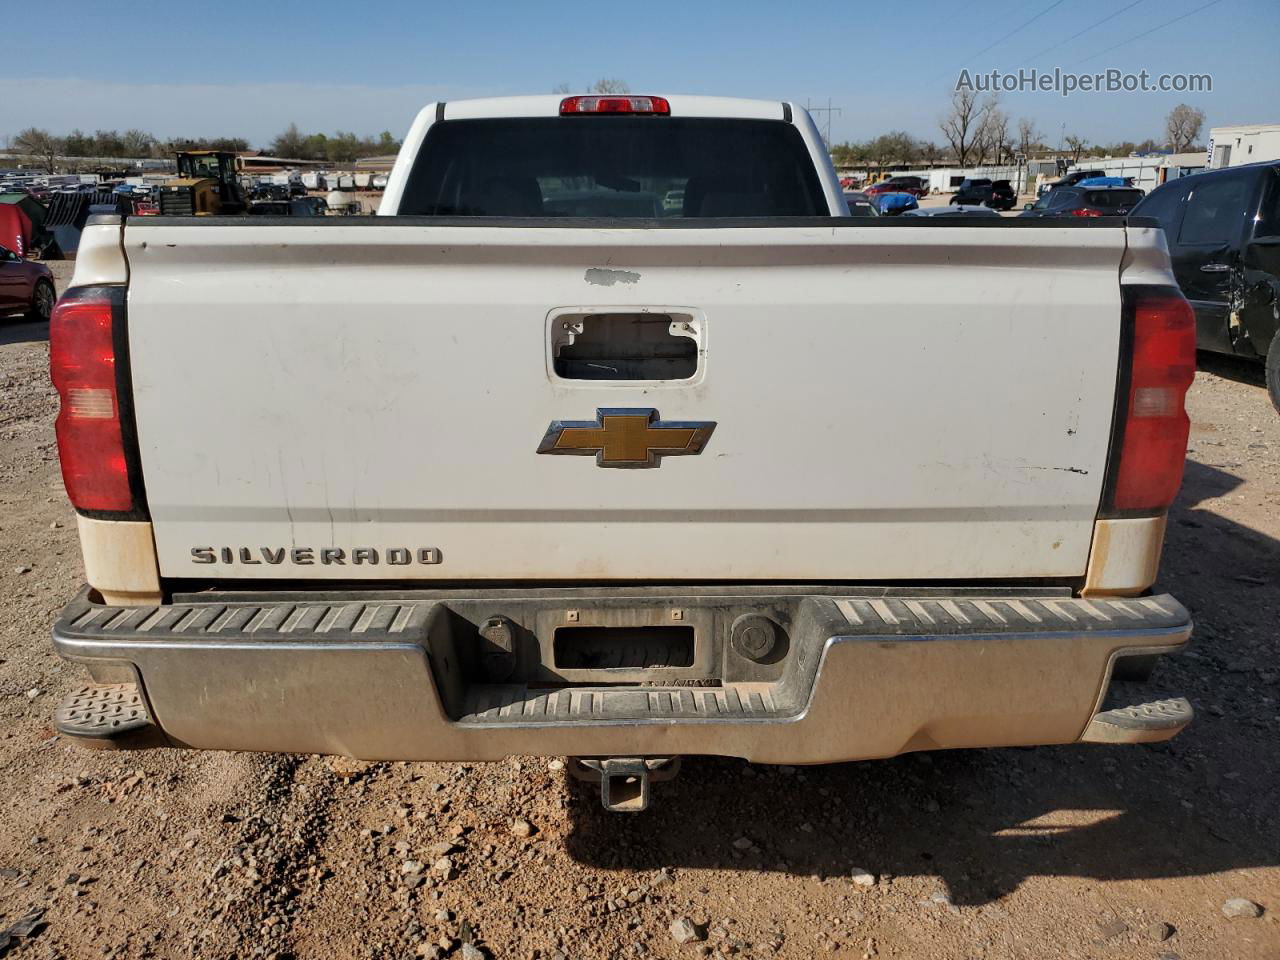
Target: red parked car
point(25, 287)
point(916, 186)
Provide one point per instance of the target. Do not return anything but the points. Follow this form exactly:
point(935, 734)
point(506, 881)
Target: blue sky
point(327, 65)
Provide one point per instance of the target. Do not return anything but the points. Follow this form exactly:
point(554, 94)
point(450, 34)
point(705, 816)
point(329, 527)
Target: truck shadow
point(17, 330)
point(983, 821)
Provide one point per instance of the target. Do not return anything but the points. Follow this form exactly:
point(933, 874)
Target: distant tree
point(342, 147)
point(960, 125)
point(849, 154)
point(1123, 148)
point(313, 146)
point(929, 151)
point(230, 144)
point(1182, 126)
point(993, 134)
point(233, 144)
point(288, 144)
point(40, 145)
point(77, 144)
point(561, 88)
point(107, 143)
point(1028, 136)
point(842, 154)
point(609, 85)
point(136, 143)
point(896, 148)
point(1077, 146)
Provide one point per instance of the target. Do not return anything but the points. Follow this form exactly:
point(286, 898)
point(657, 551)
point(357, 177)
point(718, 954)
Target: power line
point(1076, 36)
point(1019, 27)
point(1147, 33)
point(828, 110)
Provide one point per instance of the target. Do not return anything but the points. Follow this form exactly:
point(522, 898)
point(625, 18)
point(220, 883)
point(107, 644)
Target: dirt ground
point(1067, 852)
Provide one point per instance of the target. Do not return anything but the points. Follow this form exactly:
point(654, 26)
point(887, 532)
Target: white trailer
point(1246, 143)
point(948, 179)
point(1147, 173)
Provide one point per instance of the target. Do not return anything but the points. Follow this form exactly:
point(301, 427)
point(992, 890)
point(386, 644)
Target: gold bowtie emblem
point(627, 438)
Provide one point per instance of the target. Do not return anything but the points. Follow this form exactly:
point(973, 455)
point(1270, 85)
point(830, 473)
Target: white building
point(1246, 143)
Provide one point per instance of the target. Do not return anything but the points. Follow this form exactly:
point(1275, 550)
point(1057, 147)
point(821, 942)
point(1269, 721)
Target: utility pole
point(828, 110)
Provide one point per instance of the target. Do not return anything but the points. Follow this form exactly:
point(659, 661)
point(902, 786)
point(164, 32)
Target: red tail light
point(1150, 441)
point(612, 104)
point(98, 465)
point(1087, 212)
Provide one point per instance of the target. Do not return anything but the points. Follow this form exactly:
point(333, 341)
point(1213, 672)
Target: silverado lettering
point(395, 556)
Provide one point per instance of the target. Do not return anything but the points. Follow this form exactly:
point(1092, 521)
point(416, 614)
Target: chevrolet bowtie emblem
point(627, 438)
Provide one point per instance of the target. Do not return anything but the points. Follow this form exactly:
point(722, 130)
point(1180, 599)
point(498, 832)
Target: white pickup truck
point(615, 437)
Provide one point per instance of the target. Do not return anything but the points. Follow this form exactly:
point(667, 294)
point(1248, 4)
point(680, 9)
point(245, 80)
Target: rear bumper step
point(107, 716)
point(103, 711)
point(1140, 723)
point(783, 676)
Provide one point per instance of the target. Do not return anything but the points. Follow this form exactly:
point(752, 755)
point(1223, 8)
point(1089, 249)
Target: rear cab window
point(614, 167)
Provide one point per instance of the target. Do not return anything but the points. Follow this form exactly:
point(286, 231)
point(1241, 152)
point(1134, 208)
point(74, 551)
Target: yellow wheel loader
point(206, 186)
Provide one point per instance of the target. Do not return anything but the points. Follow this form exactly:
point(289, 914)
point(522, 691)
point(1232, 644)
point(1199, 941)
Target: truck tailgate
point(888, 403)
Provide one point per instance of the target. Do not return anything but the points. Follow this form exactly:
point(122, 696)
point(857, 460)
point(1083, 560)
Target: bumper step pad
point(1140, 723)
point(103, 712)
point(504, 704)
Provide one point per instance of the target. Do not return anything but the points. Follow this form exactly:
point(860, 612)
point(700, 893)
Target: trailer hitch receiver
point(624, 781)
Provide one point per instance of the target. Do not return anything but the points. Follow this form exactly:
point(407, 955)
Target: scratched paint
point(602, 277)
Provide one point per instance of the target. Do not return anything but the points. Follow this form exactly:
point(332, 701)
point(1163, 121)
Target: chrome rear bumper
point(423, 676)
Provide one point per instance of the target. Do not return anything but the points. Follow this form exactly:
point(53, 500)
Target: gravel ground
point(1081, 852)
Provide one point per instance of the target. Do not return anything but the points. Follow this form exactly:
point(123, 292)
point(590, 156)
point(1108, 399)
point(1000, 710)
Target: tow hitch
point(624, 781)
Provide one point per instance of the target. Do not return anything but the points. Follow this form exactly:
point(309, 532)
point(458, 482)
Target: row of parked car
point(868, 204)
point(1222, 228)
point(1089, 197)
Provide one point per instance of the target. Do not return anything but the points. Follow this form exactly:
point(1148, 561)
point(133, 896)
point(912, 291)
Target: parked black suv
point(1223, 231)
point(1084, 202)
point(997, 194)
